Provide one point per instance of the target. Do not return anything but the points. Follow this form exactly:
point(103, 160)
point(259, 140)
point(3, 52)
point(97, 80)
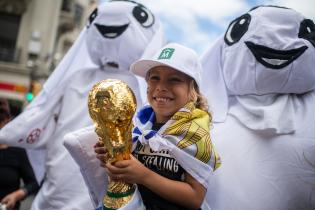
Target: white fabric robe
point(61, 106)
point(261, 170)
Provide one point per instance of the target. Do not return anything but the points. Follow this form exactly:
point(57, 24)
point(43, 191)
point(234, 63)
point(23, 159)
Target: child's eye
point(175, 79)
point(154, 78)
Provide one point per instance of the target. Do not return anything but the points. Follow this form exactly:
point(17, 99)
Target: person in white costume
point(260, 82)
point(173, 157)
point(118, 33)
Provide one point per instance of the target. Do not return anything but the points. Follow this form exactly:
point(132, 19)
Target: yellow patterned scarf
point(188, 129)
point(192, 127)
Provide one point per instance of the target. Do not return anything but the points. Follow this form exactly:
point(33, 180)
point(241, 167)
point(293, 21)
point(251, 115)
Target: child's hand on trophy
point(130, 171)
point(101, 153)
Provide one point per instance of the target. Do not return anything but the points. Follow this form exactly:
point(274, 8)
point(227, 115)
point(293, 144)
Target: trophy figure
point(112, 105)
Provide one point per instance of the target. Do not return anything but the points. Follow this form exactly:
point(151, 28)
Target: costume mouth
point(111, 32)
point(272, 58)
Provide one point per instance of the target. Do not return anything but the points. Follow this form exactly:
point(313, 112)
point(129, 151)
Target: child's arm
point(189, 193)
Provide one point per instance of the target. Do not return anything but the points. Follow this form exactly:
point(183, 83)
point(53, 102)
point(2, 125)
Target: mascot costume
point(260, 82)
point(118, 33)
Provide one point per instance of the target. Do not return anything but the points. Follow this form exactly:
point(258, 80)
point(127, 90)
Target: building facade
point(34, 36)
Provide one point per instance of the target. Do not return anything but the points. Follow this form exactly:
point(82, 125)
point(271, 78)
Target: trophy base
point(116, 200)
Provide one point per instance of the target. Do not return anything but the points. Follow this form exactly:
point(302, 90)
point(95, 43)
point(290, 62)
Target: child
point(172, 146)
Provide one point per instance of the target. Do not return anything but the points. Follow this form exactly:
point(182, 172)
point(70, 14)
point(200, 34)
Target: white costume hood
point(270, 48)
point(116, 36)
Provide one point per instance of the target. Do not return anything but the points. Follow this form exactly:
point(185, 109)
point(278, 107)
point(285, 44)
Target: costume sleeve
point(80, 146)
point(32, 128)
point(80, 143)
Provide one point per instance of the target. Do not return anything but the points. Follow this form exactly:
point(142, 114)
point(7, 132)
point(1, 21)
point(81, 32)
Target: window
point(9, 26)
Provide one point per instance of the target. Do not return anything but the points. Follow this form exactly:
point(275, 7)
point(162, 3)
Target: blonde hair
point(196, 96)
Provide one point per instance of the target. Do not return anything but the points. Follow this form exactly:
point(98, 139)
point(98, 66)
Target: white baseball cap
point(172, 55)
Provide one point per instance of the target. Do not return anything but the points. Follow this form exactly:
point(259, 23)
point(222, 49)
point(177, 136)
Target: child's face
point(168, 91)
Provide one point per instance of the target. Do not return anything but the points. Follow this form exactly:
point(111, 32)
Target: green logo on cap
point(166, 53)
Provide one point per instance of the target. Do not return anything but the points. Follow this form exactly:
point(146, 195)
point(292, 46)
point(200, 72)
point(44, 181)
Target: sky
point(198, 23)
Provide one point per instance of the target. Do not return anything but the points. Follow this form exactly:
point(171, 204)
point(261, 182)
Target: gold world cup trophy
point(112, 105)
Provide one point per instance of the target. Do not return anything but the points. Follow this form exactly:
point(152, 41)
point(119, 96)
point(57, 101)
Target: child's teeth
point(161, 99)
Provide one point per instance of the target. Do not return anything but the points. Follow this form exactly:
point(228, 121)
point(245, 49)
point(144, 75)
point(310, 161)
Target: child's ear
point(193, 94)
point(193, 98)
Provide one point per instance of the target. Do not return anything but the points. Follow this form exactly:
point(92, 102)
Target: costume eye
point(92, 17)
point(237, 29)
point(307, 31)
point(143, 16)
